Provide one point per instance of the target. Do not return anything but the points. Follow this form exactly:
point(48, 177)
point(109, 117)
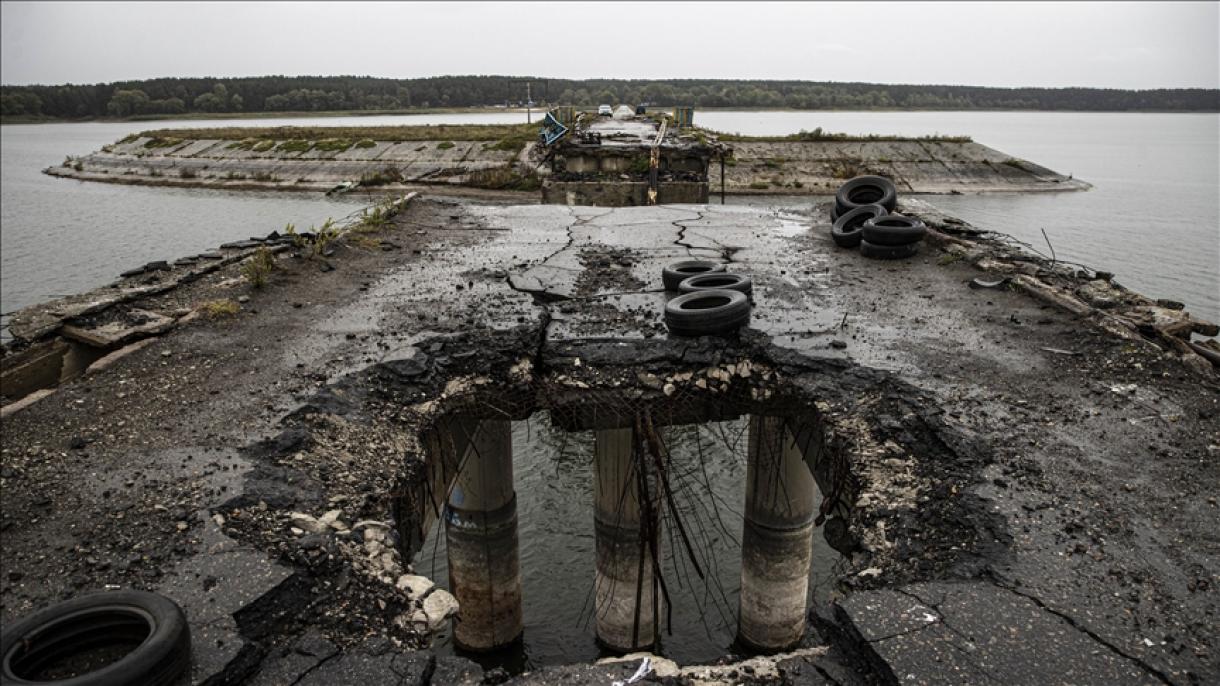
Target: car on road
point(604, 111)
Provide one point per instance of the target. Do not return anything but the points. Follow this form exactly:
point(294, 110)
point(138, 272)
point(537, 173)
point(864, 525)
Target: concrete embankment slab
point(755, 167)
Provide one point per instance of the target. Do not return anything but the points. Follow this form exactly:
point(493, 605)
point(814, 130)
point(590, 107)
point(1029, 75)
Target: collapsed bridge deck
point(1026, 482)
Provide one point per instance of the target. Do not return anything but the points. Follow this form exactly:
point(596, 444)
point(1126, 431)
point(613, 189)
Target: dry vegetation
point(318, 134)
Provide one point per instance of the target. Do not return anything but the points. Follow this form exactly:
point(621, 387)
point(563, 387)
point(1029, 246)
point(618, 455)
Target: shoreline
point(491, 110)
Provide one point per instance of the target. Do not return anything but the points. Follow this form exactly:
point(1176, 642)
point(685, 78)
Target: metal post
point(625, 588)
point(481, 532)
point(777, 542)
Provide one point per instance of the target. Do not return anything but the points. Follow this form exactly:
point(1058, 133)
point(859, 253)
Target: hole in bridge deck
point(554, 473)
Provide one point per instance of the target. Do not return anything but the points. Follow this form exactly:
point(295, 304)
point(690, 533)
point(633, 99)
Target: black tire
point(893, 230)
point(846, 231)
point(725, 280)
point(888, 252)
point(151, 627)
point(866, 190)
point(676, 273)
point(707, 313)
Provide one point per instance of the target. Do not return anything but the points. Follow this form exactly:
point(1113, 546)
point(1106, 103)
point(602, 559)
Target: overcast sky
point(1112, 45)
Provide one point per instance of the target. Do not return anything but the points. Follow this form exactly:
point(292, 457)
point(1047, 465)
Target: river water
point(553, 477)
point(59, 236)
point(1152, 218)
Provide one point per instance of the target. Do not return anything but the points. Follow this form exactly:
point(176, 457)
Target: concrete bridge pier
point(481, 533)
point(625, 587)
point(777, 541)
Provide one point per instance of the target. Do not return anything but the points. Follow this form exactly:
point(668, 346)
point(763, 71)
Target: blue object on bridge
point(552, 130)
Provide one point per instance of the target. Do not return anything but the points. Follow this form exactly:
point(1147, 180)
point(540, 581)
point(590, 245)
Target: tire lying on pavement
point(888, 252)
point(866, 190)
point(893, 229)
point(846, 231)
point(673, 275)
point(144, 635)
point(725, 280)
point(707, 313)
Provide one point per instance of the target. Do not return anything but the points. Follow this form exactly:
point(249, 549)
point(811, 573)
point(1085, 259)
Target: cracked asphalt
point(1074, 541)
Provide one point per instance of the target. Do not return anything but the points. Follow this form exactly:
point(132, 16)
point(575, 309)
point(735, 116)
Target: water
point(59, 236)
point(554, 482)
point(1153, 216)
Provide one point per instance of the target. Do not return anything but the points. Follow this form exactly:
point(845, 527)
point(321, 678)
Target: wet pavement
point(1052, 514)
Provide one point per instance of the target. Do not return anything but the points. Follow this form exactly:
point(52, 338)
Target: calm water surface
point(1153, 216)
point(59, 236)
point(554, 482)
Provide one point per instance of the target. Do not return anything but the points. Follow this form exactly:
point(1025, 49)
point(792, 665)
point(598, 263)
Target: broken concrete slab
point(290, 665)
point(978, 633)
point(130, 325)
point(390, 668)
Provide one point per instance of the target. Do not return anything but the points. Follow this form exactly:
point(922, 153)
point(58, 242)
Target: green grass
point(759, 185)
point(294, 145)
point(333, 144)
point(215, 309)
point(365, 143)
point(163, 142)
point(258, 267)
point(444, 145)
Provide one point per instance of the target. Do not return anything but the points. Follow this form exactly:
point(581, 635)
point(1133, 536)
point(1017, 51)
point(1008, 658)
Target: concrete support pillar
point(625, 589)
point(481, 533)
point(777, 542)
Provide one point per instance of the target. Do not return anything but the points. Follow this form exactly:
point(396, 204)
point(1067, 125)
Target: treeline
point(347, 93)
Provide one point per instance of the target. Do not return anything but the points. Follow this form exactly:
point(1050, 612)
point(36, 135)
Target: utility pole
point(529, 96)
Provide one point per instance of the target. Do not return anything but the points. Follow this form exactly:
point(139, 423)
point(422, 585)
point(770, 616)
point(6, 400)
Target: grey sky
point(1114, 45)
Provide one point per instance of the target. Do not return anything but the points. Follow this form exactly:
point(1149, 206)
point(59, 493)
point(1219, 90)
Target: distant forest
point(168, 96)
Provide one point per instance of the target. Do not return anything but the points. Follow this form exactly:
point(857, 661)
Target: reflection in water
point(554, 483)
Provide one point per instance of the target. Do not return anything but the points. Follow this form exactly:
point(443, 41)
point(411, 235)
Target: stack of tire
point(864, 217)
point(713, 302)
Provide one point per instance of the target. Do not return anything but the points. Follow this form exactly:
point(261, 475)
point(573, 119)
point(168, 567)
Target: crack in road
point(316, 665)
point(940, 616)
point(1161, 676)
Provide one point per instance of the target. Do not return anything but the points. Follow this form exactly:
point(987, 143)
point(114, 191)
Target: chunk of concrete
point(415, 586)
point(439, 606)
